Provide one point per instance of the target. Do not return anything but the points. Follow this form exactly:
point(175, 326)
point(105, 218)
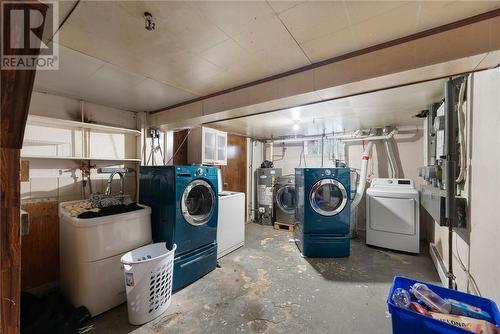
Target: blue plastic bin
point(408, 322)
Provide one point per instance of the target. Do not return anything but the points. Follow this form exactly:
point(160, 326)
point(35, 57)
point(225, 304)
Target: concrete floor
point(267, 287)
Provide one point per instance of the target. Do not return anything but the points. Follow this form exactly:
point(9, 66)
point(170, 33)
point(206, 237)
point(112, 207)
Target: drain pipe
point(393, 169)
point(360, 189)
point(392, 160)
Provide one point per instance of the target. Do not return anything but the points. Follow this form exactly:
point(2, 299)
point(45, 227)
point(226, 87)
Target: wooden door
point(234, 174)
point(181, 152)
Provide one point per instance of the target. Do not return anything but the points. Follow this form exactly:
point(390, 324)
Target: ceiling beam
point(325, 80)
point(412, 37)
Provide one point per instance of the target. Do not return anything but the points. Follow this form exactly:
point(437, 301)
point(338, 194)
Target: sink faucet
point(120, 171)
point(110, 180)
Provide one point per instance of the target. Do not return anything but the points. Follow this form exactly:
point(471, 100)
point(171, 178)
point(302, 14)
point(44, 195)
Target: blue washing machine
point(323, 211)
point(184, 207)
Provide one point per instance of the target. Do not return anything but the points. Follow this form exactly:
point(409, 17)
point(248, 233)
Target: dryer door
point(198, 202)
point(328, 197)
point(285, 199)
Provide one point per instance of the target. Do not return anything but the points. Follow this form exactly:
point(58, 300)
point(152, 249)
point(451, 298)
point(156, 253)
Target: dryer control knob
point(199, 171)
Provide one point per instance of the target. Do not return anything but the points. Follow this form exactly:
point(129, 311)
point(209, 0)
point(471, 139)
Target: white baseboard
point(439, 264)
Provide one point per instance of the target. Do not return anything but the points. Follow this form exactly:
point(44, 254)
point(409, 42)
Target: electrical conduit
point(460, 119)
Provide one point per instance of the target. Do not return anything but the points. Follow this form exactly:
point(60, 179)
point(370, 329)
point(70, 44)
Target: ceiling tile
point(360, 11)
point(399, 22)
point(434, 13)
point(116, 77)
point(235, 17)
point(273, 45)
point(228, 54)
point(311, 20)
point(280, 6)
point(74, 67)
point(331, 45)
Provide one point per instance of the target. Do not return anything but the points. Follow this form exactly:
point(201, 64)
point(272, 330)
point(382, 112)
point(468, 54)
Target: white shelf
point(56, 122)
point(76, 158)
point(32, 142)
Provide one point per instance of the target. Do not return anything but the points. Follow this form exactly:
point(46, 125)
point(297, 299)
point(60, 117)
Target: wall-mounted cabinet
point(207, 146)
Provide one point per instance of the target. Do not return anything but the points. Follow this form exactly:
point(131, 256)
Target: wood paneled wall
point(234, 175)
point(17, 87)
point(181, 158)
point(40, 247)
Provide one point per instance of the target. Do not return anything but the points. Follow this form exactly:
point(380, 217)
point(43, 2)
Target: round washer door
point(328, 197)
point(286, 199)
point(198, 202)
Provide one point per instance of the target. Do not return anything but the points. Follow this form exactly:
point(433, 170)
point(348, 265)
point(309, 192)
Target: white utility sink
point(90, 252)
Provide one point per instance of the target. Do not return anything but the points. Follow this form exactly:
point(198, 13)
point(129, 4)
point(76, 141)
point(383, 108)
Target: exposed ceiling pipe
point(352, 137)
point(293, 139)
point(368, 138)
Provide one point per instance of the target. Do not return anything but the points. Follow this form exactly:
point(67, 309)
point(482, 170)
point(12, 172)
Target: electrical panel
point(441, 128)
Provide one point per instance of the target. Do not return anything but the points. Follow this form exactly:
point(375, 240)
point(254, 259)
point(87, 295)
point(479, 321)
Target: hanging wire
point(470, 278)
point(152, 153)
point(178, 148)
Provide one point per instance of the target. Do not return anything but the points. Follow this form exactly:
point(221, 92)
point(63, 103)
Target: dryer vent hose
point(360, 189)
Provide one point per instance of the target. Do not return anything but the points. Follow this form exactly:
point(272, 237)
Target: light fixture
point(150, 21)
point(295, 113)
point(296, 127)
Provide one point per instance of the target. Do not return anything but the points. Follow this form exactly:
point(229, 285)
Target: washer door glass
point(197, 203)
point(328, 197)
point(285, 198)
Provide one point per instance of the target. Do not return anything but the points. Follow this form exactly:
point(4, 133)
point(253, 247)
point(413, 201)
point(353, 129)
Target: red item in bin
point(416, 307)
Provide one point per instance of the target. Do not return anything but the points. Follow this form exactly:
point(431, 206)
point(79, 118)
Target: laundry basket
point(148, 279)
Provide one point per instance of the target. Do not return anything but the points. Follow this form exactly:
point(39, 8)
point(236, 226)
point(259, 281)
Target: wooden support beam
point(10, 240)
point(16, 88)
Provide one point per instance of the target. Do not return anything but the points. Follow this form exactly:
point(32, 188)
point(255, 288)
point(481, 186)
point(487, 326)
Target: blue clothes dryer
point(184, 207)
point(323, 211)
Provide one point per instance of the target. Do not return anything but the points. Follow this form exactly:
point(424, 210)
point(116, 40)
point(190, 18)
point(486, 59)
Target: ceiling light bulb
point(296, 127)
